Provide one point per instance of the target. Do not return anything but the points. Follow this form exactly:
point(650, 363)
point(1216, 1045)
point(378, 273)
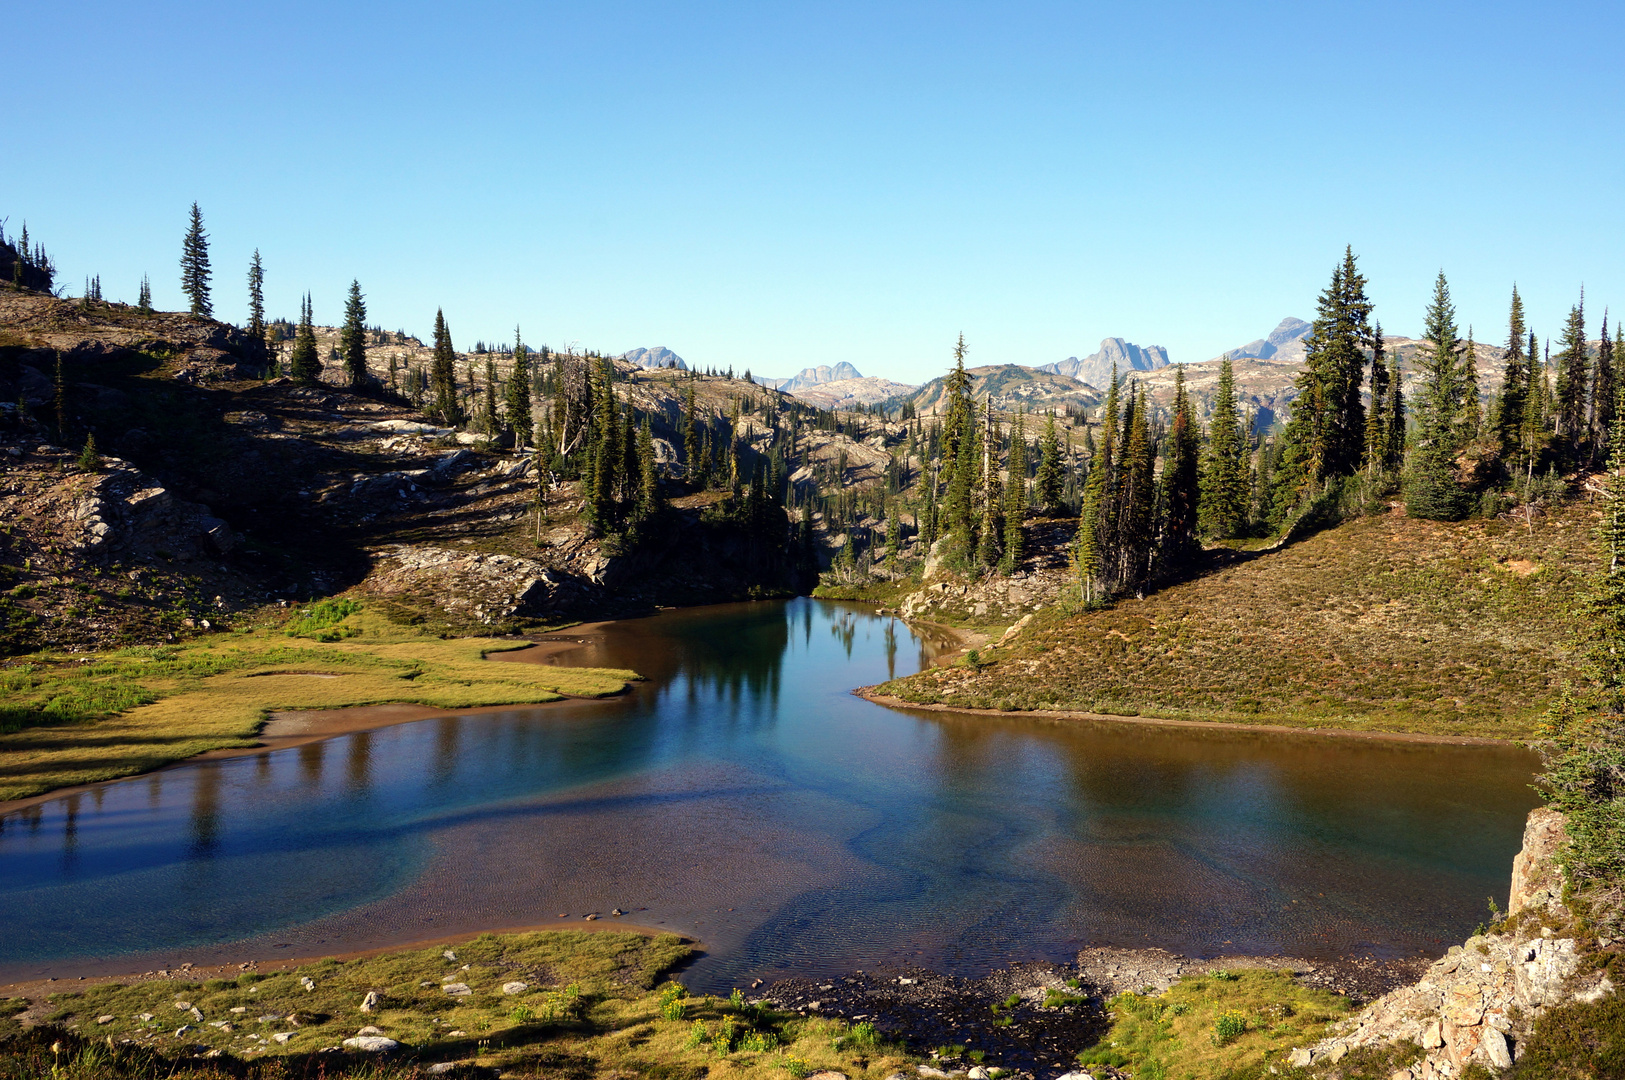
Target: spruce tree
point(517, 399)
point(143, 301)
point(990, 502)
point(1431, 487)
point(1394, 418)
point(649, 503)
point(1051, 470)
point(1086, 556)
point(1571, 427)
point(1515, 383)
point(195, 266)
point(959, 503)
point(1136, 497)
point(353, 339)
point(1015, 497)
point(1325, 435)
point(1602, 388)
point(958, 406)
point(256, 298)
point(443, 375)
point(1181, 498)
point(304, 363)
point(1224, 480)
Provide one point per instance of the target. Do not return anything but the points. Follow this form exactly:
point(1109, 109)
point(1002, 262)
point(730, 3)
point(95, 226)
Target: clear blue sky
point(774, 185)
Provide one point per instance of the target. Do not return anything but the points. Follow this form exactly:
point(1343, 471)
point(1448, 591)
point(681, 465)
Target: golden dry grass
point(1382, 624)
point(87, 719)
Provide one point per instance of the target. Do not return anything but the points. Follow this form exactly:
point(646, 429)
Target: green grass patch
point(592, 1004)
point(71, 719)
point(1205, 1027)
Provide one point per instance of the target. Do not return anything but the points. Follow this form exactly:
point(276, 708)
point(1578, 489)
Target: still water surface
point(743, 796)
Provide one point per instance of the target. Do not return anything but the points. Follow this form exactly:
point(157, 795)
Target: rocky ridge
point(1477, 1003)
point(1096, 368)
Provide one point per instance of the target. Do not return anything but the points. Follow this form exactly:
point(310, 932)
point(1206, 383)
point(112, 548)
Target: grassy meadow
point(70, 719)
point(554, 1003)
point(1385, 623)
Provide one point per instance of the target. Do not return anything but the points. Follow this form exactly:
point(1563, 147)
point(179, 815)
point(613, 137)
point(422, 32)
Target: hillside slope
point(1384, 623)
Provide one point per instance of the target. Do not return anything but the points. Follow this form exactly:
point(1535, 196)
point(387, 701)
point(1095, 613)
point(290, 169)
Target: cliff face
point(1478, 1002)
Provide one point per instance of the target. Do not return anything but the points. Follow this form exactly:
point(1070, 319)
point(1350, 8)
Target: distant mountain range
point(1285, 344)
point(813, 376)
point(1096, 369)
point(657, 357)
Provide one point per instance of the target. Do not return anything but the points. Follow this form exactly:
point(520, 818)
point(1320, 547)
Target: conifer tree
point(1602, 388)
point(353, 339)
point(1086, 558)
point(990, 526)
point(195, 266)
point(959, 502)
point(489, 418)
point(443, 375)
point(958, 407)
point(649, 503)
point(1376, 420)
point(143, 301)
point(1015, 497)
point(1394, 418)
point(517, 399)
point(1136, 497)
point(1325, 435)
point(304, 363)
point(1047, 484)
point(1571, 428)
point(256, 298)
point(1431, 487)
point(1224, 481)
point(1470, 411)
point(691, 437)
point(1181, 498)
point(1515, 382)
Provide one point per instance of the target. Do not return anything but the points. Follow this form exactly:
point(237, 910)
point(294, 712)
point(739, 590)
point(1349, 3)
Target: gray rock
point(372, 1044)
point(457, 989)
point(514, 987)
point(282, 1036)
point(1496, 1049)
point(1096, 368)
point(1301, 1058)
point(307, 982)
point(371, 1002)
point(106, 1019)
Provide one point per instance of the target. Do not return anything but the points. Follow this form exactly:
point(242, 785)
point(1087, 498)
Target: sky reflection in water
point(741, 794)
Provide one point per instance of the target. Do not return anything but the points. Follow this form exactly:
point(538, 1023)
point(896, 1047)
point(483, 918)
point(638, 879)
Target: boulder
point(372, 1044)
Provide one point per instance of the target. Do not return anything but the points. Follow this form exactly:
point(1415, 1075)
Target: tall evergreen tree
point(1571, 427)
point(517, 400)
point(304, 363)
point(1394, 418)
point(1224, 480)
point(195, 266)
point(1431, 488)
point(990, 503)
point(1602, 389)
point(1015, 497)
point(143, 301)
point(1136, 497)
point(1181, 496)
point(1051, 469)
point(959, 503)
point(1086, 554)
point(443, 375)
point(958, 407)
point(1325, 435)
point(256, 298)
point(353, 338)
point(1515, 382)
point(649, 502)
point(1470, 410)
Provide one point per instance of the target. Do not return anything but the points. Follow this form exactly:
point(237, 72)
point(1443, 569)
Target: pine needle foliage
point(304, 363)
point(1582, 737)
point(195, 266)
point(353, 339)
point(1224, 480)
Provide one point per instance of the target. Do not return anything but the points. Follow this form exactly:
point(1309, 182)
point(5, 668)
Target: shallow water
point(743, 796)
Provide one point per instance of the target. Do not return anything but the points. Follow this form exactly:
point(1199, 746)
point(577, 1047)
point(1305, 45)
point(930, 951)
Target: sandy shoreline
point(867, 693)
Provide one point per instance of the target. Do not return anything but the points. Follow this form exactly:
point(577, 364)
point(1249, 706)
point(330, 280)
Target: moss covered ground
point(555, 1004)
point(1384, 623)
point(1238, 1025)
point(70, 719)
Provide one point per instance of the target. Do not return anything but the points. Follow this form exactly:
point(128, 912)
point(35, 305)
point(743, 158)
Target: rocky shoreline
point(929, 1010)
